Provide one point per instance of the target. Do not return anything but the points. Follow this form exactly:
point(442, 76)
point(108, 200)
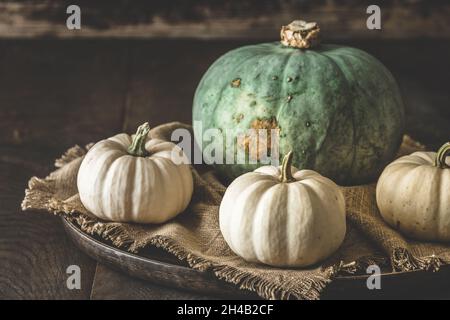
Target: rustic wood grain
point(54, 95)
point(57, 94)
point(221, 19)
point(34, 251)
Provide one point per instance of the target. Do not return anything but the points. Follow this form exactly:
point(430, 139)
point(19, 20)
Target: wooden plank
point(61, 93)
point(54, 95)
point(34, 250)
point(221, 19)
point(113, 285)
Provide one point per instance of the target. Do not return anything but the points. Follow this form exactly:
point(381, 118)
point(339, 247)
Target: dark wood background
point(243, 19)
point(58, 89)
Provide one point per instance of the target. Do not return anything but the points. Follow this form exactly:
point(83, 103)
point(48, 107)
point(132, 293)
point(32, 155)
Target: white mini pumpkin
point(132, 179)
point(413, 195)
point(283, 218)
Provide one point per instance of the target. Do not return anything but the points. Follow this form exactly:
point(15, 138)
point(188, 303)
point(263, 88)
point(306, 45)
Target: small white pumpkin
point(132, 179)
point(413, 195)
point(283, 217)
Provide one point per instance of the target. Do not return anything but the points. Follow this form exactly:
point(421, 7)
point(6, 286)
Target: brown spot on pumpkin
point(262, 145)
point(397, 224)
point(238, 117)
point(236, 83)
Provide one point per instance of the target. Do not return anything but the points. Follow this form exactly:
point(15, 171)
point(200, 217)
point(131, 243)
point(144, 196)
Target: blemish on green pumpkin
point(274, 78)
point(266, 123)
point(253, 103)
point(289, 98)
point(236, 83)
point(308, 124)
point(289, 79)
point(238, 117)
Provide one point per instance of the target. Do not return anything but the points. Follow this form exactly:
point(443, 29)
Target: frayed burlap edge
point(403, 260)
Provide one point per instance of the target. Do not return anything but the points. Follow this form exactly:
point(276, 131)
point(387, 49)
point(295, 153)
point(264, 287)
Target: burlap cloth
point(194, 236)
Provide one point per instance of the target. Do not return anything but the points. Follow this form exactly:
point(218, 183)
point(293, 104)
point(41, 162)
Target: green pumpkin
point(338, 108)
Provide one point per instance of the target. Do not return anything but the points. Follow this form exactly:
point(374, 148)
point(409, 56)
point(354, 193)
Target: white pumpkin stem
point(441, 156)
point(300, 34)
point(286, 168)
point(137, 147)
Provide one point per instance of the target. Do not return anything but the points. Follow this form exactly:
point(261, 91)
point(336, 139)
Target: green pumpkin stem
point(286, 168)
point(137, 147)
point(441, 156)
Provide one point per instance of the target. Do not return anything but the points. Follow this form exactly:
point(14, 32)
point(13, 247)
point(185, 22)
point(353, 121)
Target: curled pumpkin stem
point(441, 156)
point(286, 168)
point(137, 147)
point(300, 34)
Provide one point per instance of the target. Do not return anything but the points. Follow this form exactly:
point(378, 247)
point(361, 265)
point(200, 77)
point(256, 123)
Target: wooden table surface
point(57, 93)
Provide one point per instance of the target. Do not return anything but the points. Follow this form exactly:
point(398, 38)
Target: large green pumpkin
point(338, 108)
